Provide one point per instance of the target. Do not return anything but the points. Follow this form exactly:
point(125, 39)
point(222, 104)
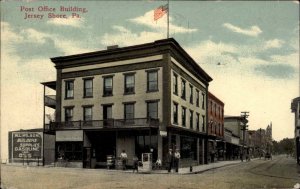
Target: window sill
point(129, 93)
point(69, 98)
point(107, 95)
point(87, 97)
point(152, 91)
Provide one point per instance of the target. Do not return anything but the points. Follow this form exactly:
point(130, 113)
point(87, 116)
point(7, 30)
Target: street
point(281, 172)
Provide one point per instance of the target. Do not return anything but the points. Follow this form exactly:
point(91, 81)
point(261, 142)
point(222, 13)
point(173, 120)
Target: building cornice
point(169, 46)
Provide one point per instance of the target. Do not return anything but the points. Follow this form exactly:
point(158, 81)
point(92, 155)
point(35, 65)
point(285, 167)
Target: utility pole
point(244, 116)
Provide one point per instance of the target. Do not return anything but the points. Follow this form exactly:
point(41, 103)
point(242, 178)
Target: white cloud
point(275, 43)
point(253, 31)
point(8, 36)
point(161, 24)
point(125, 37)
point(209, 52)
point(73, 22)
point(34, 36)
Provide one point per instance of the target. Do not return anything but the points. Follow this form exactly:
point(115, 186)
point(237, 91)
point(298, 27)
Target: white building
point(143, 98)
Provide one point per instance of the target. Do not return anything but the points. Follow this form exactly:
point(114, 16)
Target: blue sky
point(256, 44)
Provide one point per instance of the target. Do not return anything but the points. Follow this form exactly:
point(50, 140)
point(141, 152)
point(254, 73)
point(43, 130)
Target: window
point(191, 119)
point(69, 150)
point(191, 94)
point(152, 81)
point(215, 109)
point(108, 86)
point(182, 89)
point(197, 121)
point(175, 113)
point(68, 114)
point(69, 90)
point(107, 115)
point(107, 112)
point(197, 98)
point(203, 100)
point(203, 123)
point(87, 113)
point(188, 147)
point(183, 117)
point(88, 88)
point(129, 111)
point(129, 84)
point(152, 110)
point(175, 84)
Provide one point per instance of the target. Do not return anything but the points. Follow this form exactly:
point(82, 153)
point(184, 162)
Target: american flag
point(160, 11)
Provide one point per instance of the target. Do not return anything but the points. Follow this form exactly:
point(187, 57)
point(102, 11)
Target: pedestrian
point(170, 159)
point(212, 156)
point(135, 163)
point(241, 156)
point(176, 160)
point(123, 157)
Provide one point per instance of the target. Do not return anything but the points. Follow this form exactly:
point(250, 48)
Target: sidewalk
point(199, 168)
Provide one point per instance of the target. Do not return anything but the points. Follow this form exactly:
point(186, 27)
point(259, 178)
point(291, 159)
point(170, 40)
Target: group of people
point(124, 158)
point(173, 160)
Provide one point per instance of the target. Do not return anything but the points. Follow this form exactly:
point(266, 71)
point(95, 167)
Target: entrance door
point(87, 157)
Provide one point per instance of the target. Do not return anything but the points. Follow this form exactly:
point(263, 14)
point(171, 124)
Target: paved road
point(281, 172)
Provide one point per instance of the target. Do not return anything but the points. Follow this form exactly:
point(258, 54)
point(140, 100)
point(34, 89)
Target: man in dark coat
point(170, 160)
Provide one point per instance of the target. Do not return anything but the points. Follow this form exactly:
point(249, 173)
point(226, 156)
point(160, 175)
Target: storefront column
point(159, 147)
point(177, 142)
point(198, 150)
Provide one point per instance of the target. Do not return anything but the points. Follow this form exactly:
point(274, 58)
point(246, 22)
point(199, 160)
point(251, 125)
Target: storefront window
point(144, 145)
point(188, 147)
point(69, 150)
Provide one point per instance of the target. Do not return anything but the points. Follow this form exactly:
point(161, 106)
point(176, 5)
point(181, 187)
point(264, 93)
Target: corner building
point(142, 98)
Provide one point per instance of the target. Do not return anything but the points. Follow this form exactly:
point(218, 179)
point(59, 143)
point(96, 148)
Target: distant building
point(235, 125)
point(142, 98)
point(232, 145)
point(215, 130)
point(295, 107)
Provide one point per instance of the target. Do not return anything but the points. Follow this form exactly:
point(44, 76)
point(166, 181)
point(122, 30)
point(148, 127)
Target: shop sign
point(27, 145)
point(63, 136)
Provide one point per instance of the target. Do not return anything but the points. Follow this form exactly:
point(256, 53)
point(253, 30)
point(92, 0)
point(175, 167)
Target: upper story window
point(197, 98)
point(203, 123)
point(107, 112)
point(129, 111)
point(88, 87)
point(87, 113)
point(215, 109)
point(191, 94)
point(191, 119)
point(68, 114)
point(152, 80)
point(107, 86)
point(152, 109)
point(183, 117)
point(203, 100)
point(183, 89)
point(129, 84)
point(175, 113)
point(175, 84)
point(197, 121)
point(69, 89)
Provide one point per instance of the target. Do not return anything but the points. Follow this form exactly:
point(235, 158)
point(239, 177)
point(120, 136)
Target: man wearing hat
point(170, 159)
point(176, 160)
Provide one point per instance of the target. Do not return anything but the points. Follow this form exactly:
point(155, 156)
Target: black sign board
point(27, 145)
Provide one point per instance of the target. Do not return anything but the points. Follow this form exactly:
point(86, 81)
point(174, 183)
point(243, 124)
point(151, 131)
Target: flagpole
point(168, 20)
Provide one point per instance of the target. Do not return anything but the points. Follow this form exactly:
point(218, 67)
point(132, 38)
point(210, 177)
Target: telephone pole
point(244, 116)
